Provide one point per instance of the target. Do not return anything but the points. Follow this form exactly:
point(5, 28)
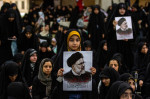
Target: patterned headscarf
point(43, 77)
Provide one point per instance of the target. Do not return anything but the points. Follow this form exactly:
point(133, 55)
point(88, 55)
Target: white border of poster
point(128, 33)
point(1, 4)
point(78, 86)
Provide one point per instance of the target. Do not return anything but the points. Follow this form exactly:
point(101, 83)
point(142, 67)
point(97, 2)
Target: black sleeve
point(19, 44)
point(89, 25)
point(102, 24)
point(27, 77)
point(35, 87)
point(36, 43)
point(135, 67)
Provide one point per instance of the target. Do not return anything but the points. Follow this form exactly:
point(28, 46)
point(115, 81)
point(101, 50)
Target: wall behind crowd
point(141, 2)
point(103, 3)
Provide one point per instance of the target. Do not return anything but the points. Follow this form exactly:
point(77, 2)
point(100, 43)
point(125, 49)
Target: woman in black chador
point(14, 6)
point(142, 57)
point(120, 90)
point(141, 60)
point(96, 27)
point(29, 67)
point(10, 73)
point(146, 85)
point(107, 77)
point(28, 40)
point(103, 55)
point(8, 33)
point(119, 46)
point(45, 51)
point(122, 66)
point(4, 8)
point(74, 18)
point(148, 34)
point(127, 77)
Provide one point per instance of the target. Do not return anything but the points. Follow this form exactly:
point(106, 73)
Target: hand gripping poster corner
point(77, 73)
point(124, 28)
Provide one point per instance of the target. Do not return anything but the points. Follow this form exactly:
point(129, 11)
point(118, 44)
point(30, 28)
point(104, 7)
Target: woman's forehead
point(74, 36)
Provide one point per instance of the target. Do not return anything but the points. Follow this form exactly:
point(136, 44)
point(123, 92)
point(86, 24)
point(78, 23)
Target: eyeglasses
point(127, 96)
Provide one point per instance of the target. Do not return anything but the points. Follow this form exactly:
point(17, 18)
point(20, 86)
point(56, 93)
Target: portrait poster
point(124, 28)
point(77, 73)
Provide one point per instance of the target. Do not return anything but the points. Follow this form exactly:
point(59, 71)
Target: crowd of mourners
point(32, 46)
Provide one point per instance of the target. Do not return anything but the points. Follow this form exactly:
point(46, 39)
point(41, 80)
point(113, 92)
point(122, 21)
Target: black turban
point(121, 21)
point(73, 58)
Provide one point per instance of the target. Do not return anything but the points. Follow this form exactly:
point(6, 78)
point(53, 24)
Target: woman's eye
point(45, 66)
point(71, 40)
point(50, 66)
point(77, 40)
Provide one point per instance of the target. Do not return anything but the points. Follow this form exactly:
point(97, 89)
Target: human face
point(127, 94)
point(60, 28)
point(59, 7)
point(34, 15)
point(43, 49)
point(28, 35)
point(30, 10)
point(11, 19)
point(106, 81)
point(14, 7)
point(105, 47)
point(132, 84)
point(63, 8)
point(47, 28)
point(96, 11)
point(46, 17)
point(88, 48)
point(144, 49)
point(114, 64)
point(13, 78)
point(33, 58)
point(90, 9)
point(124, 25)
point(122, 11)
point(53, 43)
point(134, 9)
point(79, 67)
point(110, 7)
point(42, 28)
point(47, 68)
point(74, 43)
point(65, 31)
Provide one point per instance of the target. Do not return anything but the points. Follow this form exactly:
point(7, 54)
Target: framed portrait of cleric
point(124, 28)
point(77, 73)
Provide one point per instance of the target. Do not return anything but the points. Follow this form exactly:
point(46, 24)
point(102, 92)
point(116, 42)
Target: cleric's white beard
point(83, 71)
point(79, 71)
point(124, 29)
